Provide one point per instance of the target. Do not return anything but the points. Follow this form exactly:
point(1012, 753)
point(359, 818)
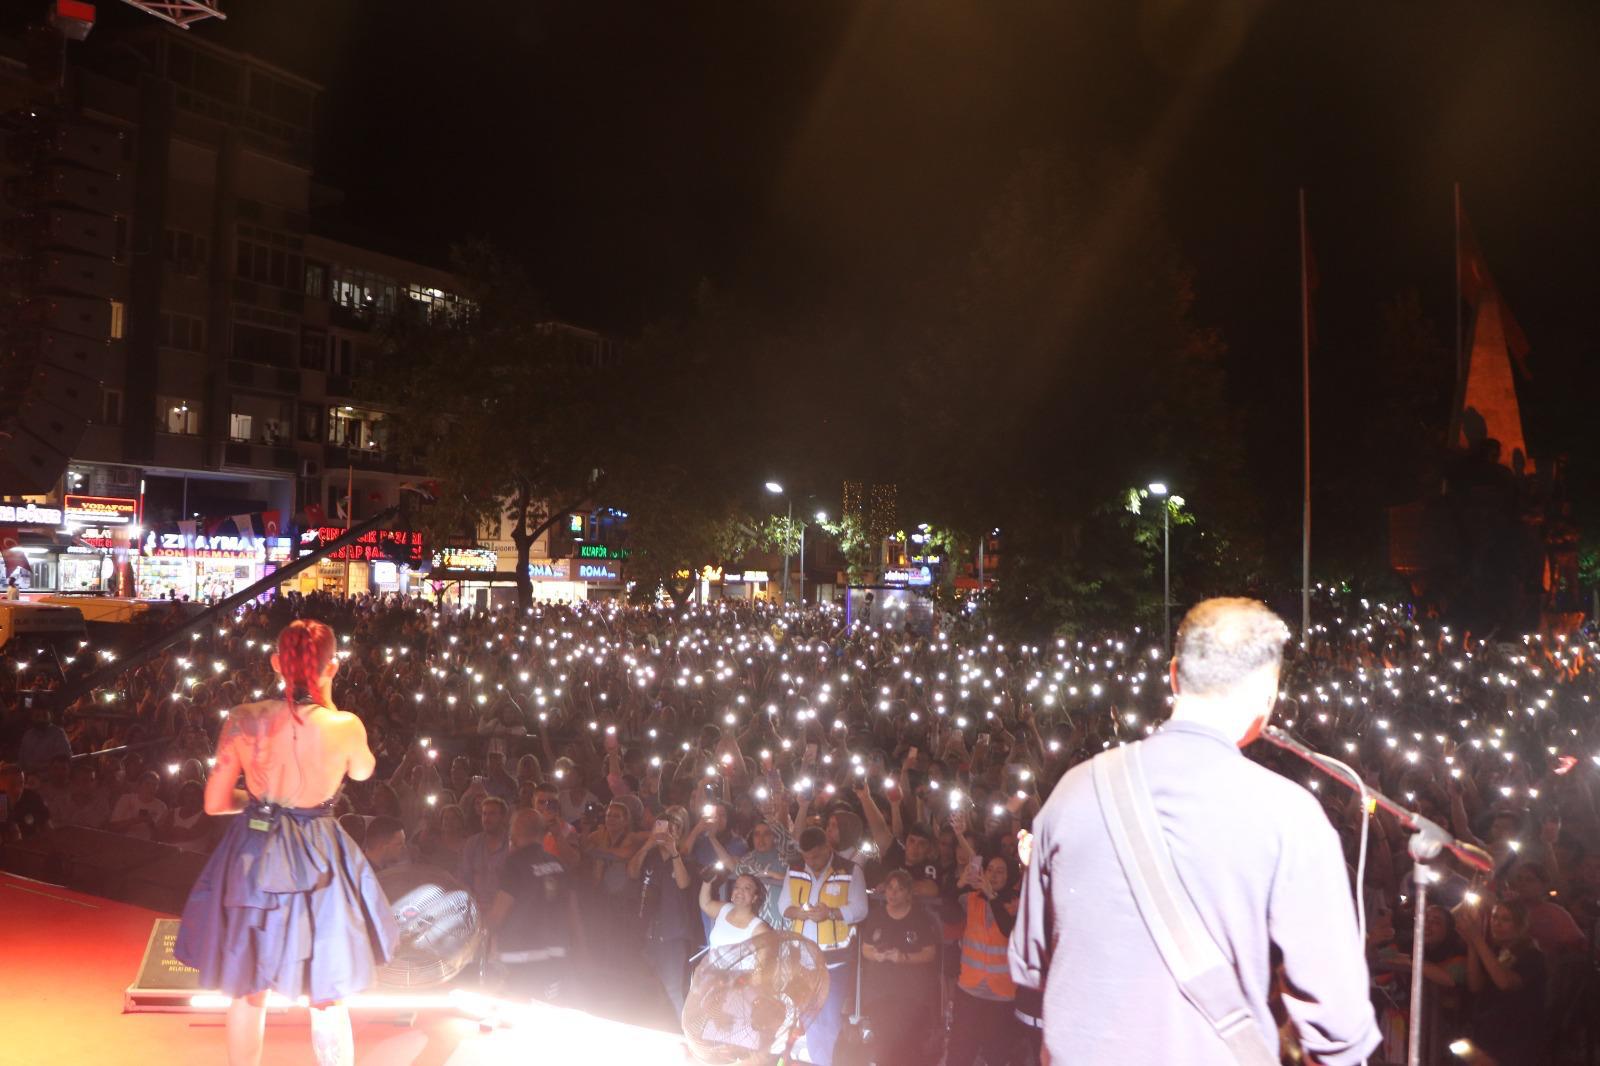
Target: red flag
point(316, 515)
point(1478, 287)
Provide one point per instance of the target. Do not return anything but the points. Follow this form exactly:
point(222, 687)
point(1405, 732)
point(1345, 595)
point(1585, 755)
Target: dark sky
point(812, 148)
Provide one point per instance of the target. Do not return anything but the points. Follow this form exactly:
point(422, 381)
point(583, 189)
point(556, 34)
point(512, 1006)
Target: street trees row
point(1027, 389)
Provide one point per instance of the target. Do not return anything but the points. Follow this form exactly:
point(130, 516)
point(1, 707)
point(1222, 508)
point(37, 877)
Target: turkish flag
point(316, 515)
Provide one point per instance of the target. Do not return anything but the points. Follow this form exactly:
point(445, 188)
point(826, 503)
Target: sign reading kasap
point(101, 510)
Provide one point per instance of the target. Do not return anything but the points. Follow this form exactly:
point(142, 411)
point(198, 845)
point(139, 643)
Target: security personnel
point(535, 919)
point(826, 897)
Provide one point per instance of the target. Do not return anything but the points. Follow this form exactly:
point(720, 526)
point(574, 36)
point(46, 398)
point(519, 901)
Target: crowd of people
point(622, 789)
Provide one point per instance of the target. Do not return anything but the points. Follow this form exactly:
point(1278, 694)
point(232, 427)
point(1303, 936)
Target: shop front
point(719, 582)
point(179, 563)
point(553, 582)
point(469, 577)
point(380, 561)
point(103, 543)
point(601, 578)
point(29, 552)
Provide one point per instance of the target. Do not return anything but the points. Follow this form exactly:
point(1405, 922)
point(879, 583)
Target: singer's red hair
point(305, 649)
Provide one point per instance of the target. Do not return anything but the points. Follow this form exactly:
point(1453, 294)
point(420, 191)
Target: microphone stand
point(1427, 842)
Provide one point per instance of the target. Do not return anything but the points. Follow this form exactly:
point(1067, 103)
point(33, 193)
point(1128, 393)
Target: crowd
point(621, 788)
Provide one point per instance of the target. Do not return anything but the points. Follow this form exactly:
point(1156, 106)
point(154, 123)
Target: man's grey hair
point(1222, 641)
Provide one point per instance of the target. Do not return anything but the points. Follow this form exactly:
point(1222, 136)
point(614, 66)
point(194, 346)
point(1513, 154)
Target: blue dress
point(287, 902)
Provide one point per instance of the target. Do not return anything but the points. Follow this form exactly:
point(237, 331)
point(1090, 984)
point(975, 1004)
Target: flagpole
point(1305, 420)
point(1461, 372)
point(349, 515)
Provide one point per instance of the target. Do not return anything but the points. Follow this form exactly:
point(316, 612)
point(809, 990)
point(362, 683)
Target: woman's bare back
point(294, 763)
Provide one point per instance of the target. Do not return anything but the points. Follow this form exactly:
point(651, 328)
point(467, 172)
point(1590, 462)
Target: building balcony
point(338, 456)
point(265, 378)
point(179, 451)
point(279, 457)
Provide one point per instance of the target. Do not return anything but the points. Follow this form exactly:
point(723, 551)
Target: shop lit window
point(118, 314)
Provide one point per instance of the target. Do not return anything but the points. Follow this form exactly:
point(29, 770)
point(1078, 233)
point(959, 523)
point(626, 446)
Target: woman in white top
point(734, 923)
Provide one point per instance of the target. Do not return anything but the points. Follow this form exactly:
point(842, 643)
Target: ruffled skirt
point(287, 902)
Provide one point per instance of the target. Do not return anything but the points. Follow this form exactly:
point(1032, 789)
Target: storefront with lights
point(179, 564)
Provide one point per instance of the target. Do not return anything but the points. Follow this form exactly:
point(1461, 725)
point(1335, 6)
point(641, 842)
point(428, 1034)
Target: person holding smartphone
point(668, 907)
point(900, 984)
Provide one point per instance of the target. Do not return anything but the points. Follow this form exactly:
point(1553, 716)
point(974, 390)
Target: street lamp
point(821, 516)
point(777, 490)
point(1158, 489)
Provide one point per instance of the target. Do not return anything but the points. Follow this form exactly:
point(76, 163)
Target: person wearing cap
point(825, 899)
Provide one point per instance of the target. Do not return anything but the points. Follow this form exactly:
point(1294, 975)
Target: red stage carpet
point(68, 957)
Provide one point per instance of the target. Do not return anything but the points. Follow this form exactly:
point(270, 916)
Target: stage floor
point(68, 957)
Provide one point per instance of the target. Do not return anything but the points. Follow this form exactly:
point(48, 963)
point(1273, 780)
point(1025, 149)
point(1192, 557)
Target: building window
point(270, 258)
point(186, 253)
point(238, 426)
point(439, 305)
point(363, 292)
point(110, 407)
point(119, 314)
point(354, 428)
point(257, 345)
point(313, 350)
point(183, 332)
point(316, 280)
point(339, 362)
point(175, 414)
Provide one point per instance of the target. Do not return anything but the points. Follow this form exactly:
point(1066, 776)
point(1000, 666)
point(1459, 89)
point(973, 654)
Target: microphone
point(1428, 837)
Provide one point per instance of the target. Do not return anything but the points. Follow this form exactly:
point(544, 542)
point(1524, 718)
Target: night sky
point(818, 153)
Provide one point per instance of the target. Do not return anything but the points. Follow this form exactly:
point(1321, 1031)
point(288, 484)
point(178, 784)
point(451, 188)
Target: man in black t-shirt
point(535, 914)
point(900, 986)
point(22, 812)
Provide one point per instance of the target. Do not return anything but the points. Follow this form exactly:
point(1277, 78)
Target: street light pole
point(1166, 574)
point(1158, 489)
point(802, 562)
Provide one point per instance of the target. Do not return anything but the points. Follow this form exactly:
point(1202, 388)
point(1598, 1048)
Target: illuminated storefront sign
point(711, 573)
point(221, 546)
point(908, 575)
point(466, 559)
point(370, 545)
point(599, 572)
point(30, 514)
point(102, 510)
point(549, 570)
point(92, 540)
point(601, 551)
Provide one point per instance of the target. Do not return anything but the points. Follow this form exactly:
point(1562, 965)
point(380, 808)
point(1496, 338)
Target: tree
point(1071, 367)
point(686, 454)
point(499, 405)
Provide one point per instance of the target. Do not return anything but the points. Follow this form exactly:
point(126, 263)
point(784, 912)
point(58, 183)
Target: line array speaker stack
point(58, 252)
